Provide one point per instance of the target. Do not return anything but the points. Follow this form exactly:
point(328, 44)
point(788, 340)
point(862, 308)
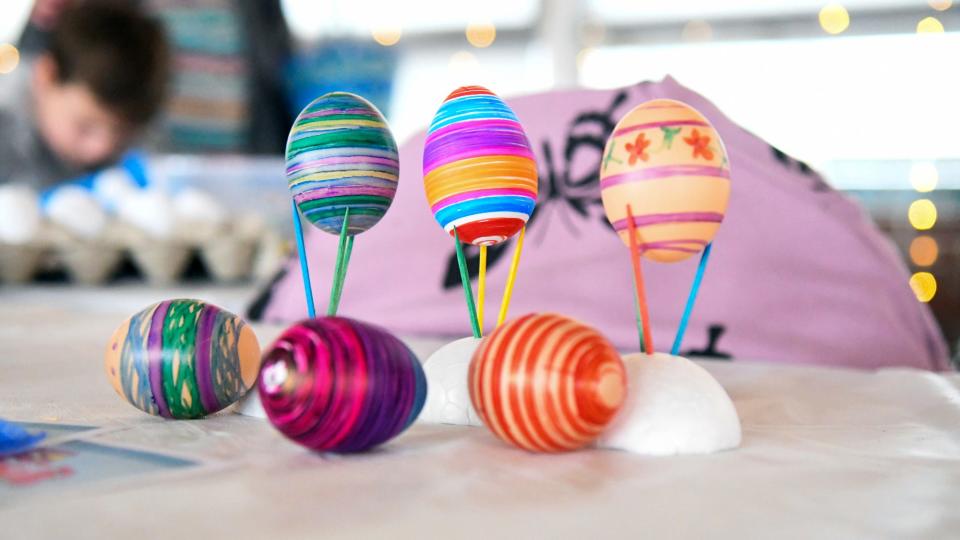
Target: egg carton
point(229, 253)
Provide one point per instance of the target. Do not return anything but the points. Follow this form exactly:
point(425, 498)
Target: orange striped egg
point(667, 163)
point(546, 383)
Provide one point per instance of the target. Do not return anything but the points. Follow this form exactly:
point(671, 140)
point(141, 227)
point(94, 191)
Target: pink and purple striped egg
point(666, 166)
point(334, 384)
point(182, 359)
point(479, 172)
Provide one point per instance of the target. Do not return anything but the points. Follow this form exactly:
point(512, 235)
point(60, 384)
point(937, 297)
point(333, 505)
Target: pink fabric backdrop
point(798, 273)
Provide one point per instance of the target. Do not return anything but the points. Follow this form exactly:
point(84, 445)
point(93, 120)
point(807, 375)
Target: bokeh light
point(481, 35)
point(592, 33)
point(834, 18)
point(583, 55)
point(930, 25)
point(924, 251)
point(387, 35)
point(922, 214)
point(9, 58)
point(696, 31)
point(924, 177)
point(940, 5)
point(463, 62)
point(924, 285)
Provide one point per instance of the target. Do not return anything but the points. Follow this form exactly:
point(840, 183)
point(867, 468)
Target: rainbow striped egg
point(666, 162)
point(546, 383)
point(340, 155)
point(340, 385)
point(182, 359)
point(479, 173)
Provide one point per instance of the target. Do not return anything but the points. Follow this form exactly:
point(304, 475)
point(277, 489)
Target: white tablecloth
point(827, 453)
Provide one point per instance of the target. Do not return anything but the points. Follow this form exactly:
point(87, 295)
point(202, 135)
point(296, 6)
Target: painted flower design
point(668, 134)
point(700, 145)
point(637, 149)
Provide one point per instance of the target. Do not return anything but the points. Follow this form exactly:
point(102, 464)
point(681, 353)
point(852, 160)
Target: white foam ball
point(151, 211)
point(673, 406)
point(76, 210)
point(448, 397)
point(195, 205)
point(19, 214)
point(113, 186)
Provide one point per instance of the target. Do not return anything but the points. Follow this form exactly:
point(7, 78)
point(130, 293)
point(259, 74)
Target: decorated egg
point(182, 359)
point(665, 162)
point(335, 384)
point(479, 173)
point(340, 155)
point(546, 383)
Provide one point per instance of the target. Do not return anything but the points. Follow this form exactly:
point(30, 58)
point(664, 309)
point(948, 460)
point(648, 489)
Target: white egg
point(448, 396)
point(76, 210)
point(150, 211)
point(195, 205)
point(673, 407)
point(112, 186)
point(19, 214)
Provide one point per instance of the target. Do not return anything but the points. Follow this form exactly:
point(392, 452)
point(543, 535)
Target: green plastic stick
point(344, 248)
point(467, 289)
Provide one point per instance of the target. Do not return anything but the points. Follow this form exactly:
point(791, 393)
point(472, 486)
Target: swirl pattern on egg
point(546, 383)
point(340, 385)
point(479, 173)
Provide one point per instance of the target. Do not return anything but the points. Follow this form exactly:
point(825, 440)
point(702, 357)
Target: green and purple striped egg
point(182, 359)
point(338, 385)
point(666, 162)
point(341, 155)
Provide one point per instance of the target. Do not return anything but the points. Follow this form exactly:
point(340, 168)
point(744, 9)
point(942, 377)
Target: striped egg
point(341, 155)
point(182, 359)
point(546, 383)
point(339, 385)
point(665, 162)
point(479, 173)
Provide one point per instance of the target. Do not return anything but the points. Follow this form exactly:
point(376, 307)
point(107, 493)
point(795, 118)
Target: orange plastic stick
point(638, 279)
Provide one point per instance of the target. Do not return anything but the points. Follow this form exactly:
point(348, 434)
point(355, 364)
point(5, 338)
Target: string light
point(940, 5)
point(924, 285)
point(9, 58)
point(481, 35)
point(924, 177)
point(387, 36)
point(924, 251)
point(834, 18)
point(930, 25)
point(922, 214)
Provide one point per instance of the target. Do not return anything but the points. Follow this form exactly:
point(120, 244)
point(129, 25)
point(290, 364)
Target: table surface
point(827, 453)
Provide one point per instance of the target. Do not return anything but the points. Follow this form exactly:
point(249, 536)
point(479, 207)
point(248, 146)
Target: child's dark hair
point(117, 52)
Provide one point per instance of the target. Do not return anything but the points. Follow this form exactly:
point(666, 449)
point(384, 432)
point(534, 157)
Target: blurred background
point(861, 90)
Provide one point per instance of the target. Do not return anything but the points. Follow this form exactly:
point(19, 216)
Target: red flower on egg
point(699, 144)
point(638, 148)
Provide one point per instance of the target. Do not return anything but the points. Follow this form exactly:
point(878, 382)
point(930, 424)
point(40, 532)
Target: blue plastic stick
point(691, 299)
point(304, 269)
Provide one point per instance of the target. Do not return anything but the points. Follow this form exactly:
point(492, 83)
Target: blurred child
point(86, 97)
